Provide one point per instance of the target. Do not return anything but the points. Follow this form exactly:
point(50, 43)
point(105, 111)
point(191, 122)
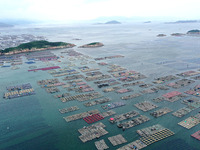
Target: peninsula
point(35, 46)
point(92, 45)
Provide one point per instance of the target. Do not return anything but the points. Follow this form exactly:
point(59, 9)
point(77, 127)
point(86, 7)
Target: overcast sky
point(75, 10)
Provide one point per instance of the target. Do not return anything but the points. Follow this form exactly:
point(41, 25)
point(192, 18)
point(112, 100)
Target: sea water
point(34, 122)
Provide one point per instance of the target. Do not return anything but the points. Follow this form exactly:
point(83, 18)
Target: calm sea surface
point(34, 122)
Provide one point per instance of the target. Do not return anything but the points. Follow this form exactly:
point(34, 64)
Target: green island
point(92, 45)
point(194, 31)
point(35, 46)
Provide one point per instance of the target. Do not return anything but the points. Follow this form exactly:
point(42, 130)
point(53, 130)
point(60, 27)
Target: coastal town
point(7, 41)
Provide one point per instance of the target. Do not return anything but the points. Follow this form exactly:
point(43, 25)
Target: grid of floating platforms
point(81, 115)
point(97, 77)
point(145, 106)
point(132, 84)
point(108, 113)
point(50, 83)
point(173, 96)
point(92, 132)
point(188, 73)
point(19, 91)
point(165, 79)
point(117, 140)
point(108, 57)
point(181, 83)
point(124, 116)
point(111, 89)
point(158, 99)
point(101, 145)
point(44, 69)
point(150, 130)
point(160, 135)
point(195, 91)
point(134, 122)
point(190, 122)
point(69, 109)
point(82, 97)
point(160, 112)
point(130, 96)
point(73, 77)
point(191, 104)
point(64, 72)
point(93, 118)
point(113, 105)
point(96, 102)
point(196, 135)
point(121, 91)
point(135, 145)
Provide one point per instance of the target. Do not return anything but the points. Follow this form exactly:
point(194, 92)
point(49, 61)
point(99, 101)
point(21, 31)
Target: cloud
point(67, 10)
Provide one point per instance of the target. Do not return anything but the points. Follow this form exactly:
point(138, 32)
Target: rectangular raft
point(93, 118)
point(44, 69)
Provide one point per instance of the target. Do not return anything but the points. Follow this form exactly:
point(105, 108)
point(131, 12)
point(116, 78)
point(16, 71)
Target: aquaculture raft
point(196, 135)
point(101, 145)
point(113, 105)
point(93, 118)
point(47, 68)
point(19, 91)
point(156, 136)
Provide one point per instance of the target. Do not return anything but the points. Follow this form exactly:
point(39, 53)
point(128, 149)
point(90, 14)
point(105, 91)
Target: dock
point(117, 140)
point(145, 106)
point(161, 112)
point(92, 132)
point(101, 145)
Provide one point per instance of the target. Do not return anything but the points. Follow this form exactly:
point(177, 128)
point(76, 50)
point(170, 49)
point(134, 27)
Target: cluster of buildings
point(7, 41)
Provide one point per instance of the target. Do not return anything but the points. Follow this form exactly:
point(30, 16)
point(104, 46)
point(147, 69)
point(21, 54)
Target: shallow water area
point(34, 122)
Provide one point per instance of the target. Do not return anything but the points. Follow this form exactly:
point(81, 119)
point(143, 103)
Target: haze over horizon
point(86, 10)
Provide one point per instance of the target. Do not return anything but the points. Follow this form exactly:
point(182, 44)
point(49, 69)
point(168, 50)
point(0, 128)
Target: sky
point(84, 10)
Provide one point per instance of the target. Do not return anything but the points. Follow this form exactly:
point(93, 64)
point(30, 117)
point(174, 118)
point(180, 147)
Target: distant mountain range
point(5, 25)
point(109, 22)
point(184, 21)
